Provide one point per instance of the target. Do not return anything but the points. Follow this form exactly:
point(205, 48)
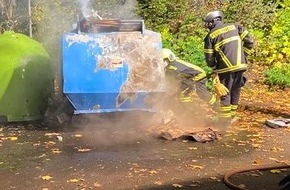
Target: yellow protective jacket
point(226, 47)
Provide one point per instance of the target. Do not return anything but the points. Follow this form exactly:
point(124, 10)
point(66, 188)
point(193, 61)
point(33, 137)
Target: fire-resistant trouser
point(201, 91)
point(229, 103)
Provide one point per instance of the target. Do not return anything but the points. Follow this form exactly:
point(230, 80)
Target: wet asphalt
point(96, 156)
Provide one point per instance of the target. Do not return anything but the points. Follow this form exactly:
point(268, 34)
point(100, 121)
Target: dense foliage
point(278, 75)
point(181, 27)
point(14, 15)
point(179, 22)
point(115, 9)
point(50, 20)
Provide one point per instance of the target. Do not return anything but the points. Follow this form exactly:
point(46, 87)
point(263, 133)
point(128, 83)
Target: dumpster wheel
point(231, 173)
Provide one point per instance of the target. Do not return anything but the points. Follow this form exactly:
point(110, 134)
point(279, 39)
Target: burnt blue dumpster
point(25, 78)
point(117, 66)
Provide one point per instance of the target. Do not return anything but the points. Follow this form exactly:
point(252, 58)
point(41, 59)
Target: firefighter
point(226, 47)
point(190, 78)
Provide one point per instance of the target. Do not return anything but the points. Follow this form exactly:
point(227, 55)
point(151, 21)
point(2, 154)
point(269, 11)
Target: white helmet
point(168, 54)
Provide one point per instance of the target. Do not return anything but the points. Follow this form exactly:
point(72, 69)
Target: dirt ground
point(123, 156)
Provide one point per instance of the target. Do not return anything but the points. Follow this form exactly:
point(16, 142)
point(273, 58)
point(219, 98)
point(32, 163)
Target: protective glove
point(219, 88)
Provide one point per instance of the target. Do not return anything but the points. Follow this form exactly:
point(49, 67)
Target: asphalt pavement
point(35, 157)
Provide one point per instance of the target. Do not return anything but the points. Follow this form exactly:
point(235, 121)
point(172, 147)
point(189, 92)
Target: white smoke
point(123, 9)
point(84, 5)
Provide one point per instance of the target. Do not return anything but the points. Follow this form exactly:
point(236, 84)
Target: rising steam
point(117, 9)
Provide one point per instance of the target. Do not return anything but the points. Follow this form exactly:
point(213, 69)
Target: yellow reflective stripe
point(184, 91)
point(233, 114)
point(225, 115)
point(212, 100)
point(222, 30)
point(234, 107)
point(248, 51)
point(185, 63)
point(223, 56)
point(195, 67)
point(227, 40)
point(225, 111)
point(234, 110)
point(239, 53)
point(199, 76)
point(186, 99)
point(244, 34)
point(172, 67)
point(233, 68)
point(225, 108)
point(208, 51)
point(192, 66)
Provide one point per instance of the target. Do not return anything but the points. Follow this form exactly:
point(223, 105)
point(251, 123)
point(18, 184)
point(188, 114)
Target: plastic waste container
point(25, 78)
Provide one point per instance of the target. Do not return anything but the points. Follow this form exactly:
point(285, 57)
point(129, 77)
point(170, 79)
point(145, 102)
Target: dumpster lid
point(100, 26)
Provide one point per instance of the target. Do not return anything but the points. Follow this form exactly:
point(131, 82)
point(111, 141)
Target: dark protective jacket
point(226, 47)
point(190, 78)
point(184, 70)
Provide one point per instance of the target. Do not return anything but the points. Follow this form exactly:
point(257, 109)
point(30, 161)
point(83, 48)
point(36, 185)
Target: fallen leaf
point(177, 185)
point(96, 184)
point(46, 177)
point(256, 146)
point(257, 162)
point(255, 175)
point(196, 167)
point(84, 150)
point(242, 186)
point(59, 138)
point(50, 143)
point(13, 138)
point(51, 134)
point(275, 171)
point(277, 149)
point(73, 180)
point(158, 183)
point(215, 179)
point(280, 161)
point(153, 172)
point(41, 156)
point(56, 151)
point(195, 184)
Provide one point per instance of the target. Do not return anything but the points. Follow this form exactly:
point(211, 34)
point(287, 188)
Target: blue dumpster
point(111, 70)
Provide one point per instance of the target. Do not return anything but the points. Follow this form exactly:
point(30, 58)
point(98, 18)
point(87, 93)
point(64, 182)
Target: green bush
point(181, 27)
point(278, 75)
point(278, 48)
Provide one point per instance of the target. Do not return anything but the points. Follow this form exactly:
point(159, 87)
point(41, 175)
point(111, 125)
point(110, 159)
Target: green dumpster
point(25, 78)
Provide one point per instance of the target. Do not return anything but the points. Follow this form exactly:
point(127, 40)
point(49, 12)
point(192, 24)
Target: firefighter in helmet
point(190, 78)
point(226, 47)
